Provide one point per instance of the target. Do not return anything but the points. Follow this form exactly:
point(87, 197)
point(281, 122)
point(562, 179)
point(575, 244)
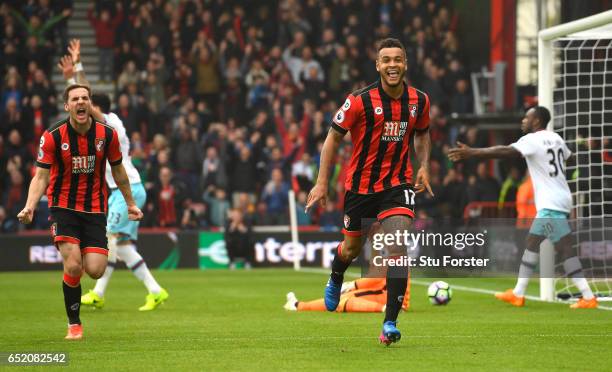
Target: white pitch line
point(472, 289)
point(455, 287)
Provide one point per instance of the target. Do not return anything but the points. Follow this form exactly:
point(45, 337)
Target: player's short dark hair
point(390, 43)
point(75, 86)
point(542, 114)
point(103, 101)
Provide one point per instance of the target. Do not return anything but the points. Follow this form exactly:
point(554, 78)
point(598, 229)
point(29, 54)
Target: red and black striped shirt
point(77, 164)
point(381, 129)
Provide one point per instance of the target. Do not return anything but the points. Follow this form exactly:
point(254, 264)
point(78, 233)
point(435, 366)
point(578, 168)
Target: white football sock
point(102, 283)
point(573, 269)
point(135, 262)
point(528, 264)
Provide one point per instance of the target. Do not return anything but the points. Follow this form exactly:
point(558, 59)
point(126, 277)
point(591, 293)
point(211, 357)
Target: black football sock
point(72, 300)
point(397, 282)
point(338, 267)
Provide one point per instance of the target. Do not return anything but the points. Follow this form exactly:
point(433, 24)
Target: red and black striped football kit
point(77, 192)
point(379, 179)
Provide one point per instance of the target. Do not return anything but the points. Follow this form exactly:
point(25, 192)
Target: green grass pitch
point(222, 320)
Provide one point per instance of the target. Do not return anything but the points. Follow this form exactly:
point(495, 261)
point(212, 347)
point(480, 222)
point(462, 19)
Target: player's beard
point(400, 79)
point(526, 128)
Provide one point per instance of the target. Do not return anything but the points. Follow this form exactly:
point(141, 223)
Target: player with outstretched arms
point(545, 153)
point(382, 119)
point(122, 233)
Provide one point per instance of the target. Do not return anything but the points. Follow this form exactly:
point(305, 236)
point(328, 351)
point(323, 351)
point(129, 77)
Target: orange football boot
point(585, 304)
point(509, 297)
point(75, 332)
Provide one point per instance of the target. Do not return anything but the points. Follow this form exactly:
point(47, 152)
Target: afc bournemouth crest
point(347, 221)
point(54, 229)
point(413, 109)
point(99, 144)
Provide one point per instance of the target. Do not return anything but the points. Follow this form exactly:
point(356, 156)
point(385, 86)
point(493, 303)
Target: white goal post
point(293, 226)
point(546, 86)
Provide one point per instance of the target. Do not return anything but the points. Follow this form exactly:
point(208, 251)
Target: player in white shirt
point(122, 232)
point(545, 153)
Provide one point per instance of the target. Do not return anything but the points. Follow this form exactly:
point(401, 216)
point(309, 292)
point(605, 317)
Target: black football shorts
point(88, 230)
point(398, 200)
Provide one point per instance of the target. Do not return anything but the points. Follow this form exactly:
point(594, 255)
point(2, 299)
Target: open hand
point(461, 152)
point(66, 67)
point(74, 48)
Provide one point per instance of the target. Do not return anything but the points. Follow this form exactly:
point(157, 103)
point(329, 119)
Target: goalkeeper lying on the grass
point(367, 295)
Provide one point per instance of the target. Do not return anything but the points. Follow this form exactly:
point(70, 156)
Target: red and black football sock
point(72, 298)
point(339, 266)
point(397, 282)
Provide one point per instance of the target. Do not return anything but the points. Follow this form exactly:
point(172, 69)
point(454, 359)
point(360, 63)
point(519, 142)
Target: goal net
point(576, 82)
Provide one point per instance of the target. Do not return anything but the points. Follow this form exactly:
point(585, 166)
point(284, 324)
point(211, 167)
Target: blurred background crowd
point(227, 103)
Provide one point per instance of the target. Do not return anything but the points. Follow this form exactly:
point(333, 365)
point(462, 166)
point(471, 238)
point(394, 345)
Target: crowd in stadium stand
point(227, 103)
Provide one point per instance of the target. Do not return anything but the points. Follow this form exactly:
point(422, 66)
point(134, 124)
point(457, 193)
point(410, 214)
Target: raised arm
point(73, 72)
point(70, 65)
point(91, 16)
point(52, 22)
point(74, 48)
point(330, 148)
point(116, 21)
point(21, 20)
